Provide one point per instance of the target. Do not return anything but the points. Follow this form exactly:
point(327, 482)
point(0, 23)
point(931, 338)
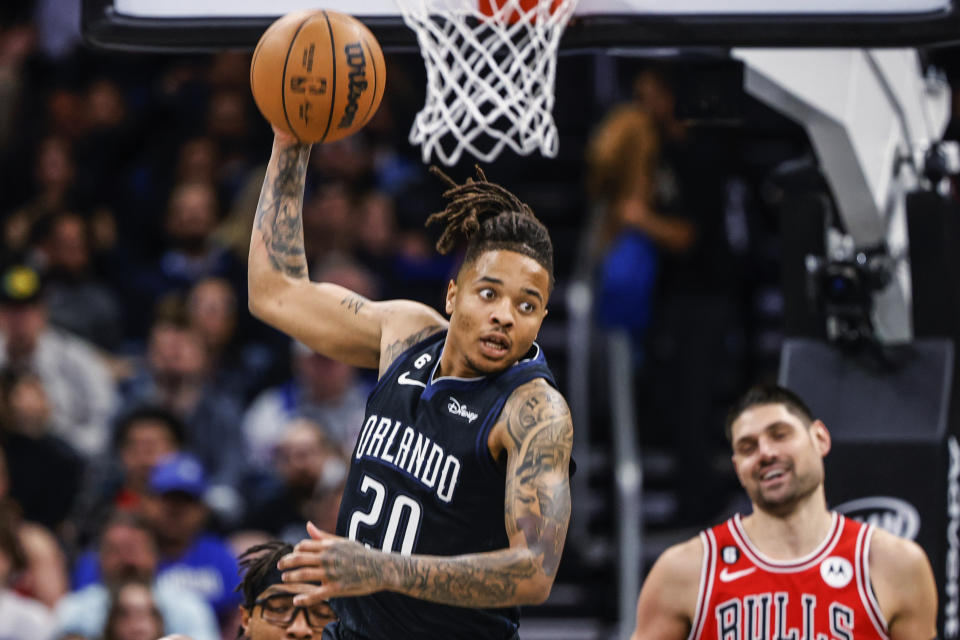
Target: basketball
point(318, 75)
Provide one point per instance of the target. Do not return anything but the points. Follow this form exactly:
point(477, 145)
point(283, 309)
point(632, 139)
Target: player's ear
point(451, 295)
point(821, 437)
point(245, 620)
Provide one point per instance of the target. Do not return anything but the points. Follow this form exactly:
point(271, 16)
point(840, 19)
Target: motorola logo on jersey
point(836, 572)
point(897, 516)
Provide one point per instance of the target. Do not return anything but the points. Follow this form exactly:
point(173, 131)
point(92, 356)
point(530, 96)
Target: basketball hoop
point(491, 66)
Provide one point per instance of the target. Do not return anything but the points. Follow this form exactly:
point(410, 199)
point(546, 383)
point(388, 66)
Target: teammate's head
point(498, 299)
point(778, 448)
point(267, 612)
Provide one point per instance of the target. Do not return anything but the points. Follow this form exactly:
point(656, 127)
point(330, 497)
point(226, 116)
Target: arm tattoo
point(390, 353)
point(279, 218)
point(487, 580)
point(538, 489)
point(354, 302)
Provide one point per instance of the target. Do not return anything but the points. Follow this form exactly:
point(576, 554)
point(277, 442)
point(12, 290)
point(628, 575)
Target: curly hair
point(488, 217)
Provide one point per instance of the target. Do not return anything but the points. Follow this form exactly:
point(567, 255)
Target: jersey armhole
point(397, 363)
point(705, 588)
point(865, 584)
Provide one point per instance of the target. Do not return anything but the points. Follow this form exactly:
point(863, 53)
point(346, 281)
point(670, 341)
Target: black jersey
point(422, 481)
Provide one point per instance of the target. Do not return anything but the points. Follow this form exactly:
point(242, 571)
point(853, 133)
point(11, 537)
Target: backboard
point(198, 25)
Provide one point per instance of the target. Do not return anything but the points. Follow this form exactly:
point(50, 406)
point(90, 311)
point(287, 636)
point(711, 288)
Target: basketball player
point(457, 500)
point(791, 570)
point(268, 611)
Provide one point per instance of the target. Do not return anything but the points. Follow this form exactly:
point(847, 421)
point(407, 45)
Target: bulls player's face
point(496, 307)
point(778, 459)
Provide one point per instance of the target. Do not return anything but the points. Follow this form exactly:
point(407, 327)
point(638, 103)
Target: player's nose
point(502, 312)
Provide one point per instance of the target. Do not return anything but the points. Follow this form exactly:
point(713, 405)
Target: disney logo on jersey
point(460, 410)
point(897, 516)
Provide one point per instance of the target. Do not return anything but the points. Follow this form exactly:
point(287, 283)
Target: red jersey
point(825, 595)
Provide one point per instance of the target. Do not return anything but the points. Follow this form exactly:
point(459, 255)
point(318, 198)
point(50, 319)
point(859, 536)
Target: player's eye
point(526, 307)
point(487, 293)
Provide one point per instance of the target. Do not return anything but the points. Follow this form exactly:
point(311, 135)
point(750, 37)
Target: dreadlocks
point(259, 566)
point(489, 218)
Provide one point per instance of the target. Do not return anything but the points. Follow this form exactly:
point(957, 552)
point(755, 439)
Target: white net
point(491, 66)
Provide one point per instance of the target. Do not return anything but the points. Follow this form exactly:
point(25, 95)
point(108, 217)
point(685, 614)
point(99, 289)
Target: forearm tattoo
point(476, 580)
point(279, 213)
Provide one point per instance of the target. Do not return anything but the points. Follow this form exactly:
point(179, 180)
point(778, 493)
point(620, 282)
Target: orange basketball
point(318, 75)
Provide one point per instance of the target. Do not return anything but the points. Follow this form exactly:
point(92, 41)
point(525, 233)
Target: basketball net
point(491, 66)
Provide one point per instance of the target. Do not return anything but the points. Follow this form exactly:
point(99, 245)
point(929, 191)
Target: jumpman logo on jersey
point(729, 576)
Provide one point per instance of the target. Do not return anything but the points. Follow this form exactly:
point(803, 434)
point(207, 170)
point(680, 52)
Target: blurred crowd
point(150, 429)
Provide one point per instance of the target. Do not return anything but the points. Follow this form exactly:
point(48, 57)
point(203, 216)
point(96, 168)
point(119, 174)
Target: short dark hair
point(153, 413)
point(765, 393)
point(257, 564)
point(490, 218)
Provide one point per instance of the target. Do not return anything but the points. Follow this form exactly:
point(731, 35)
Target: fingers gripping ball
point(318, 75)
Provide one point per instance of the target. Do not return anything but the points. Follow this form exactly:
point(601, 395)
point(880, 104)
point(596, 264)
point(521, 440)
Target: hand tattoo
point(279, 219)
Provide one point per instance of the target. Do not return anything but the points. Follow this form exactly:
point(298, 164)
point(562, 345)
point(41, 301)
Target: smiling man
point(456, 505)
point(792, 569)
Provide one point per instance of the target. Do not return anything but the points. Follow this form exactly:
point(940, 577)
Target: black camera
point(842, 289)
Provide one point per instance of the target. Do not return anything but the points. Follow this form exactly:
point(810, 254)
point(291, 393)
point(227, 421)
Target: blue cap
point(179, 472)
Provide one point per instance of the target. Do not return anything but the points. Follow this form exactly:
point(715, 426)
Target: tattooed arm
point(328, 318)
point(536, 433)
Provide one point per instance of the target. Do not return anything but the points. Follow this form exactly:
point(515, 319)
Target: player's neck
point(794, 534)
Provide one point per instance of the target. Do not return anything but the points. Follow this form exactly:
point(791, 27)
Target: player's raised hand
point(283, 137)
point(342, 566)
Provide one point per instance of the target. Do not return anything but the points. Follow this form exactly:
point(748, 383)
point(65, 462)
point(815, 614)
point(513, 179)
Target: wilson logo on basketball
point(358, 81)
point(897, 516)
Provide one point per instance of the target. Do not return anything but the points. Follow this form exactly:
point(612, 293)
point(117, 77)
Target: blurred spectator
point(76, 301)
point(16, 44)
point(20, 617)
point(191, 558)
point(312, 469)
point(44, 471)
point(176, 377)
point(134, 614)
point(128, 551)
point(621, 158)
point(262, 586)
point(142, 437)
point(191, 253)
point(322, 389)
point(45, 576)
point(54, 177)
point(329, 225)
point(236, 368)
point(77, 382)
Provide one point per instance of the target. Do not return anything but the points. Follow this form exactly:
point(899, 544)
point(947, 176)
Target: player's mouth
point(769, 477)
point(494, 345)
